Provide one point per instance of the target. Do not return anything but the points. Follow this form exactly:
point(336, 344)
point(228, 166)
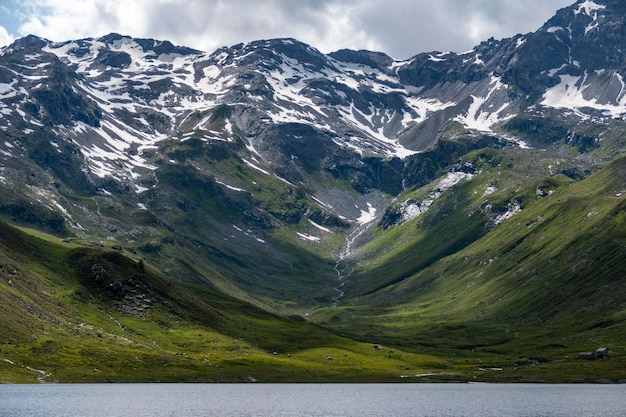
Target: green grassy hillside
point(505, 276)
point(537, 288)
point(85, 314)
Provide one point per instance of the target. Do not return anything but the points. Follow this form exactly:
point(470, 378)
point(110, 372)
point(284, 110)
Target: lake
point(312, 400)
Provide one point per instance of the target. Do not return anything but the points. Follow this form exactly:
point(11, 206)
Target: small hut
point(602, 353)
point(586, 355)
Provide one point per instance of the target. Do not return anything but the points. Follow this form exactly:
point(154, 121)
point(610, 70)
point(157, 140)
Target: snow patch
point(591, 27)
point(435, 59)
point(552, 72)
point(321, 203)
point(519, 142)
point(230, 187)
point(307, 237)
point(414, 209)
point(367, 216)
point(478, 119)
point(251, 165)
point(423, 108)
point(249, 233)
point(555, 29)
point(452, 179)
point(139, 189)
point(320, 227)
point(64, 211)
point(512, 209)
point(411, 210)
point(570, 94)
point(542, 193)
point(588, 7)
point(490, 189)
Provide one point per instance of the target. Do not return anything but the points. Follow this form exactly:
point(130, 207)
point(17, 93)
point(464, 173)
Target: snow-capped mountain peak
point(115, 97)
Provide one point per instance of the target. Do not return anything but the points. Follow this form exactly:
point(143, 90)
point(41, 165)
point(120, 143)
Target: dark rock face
point(376, 60)
point(113, 59)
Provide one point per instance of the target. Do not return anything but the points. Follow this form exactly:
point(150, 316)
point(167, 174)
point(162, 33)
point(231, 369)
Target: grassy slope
point(81, 314)
point(453, 296)
point(244, 235)
point(542, 286)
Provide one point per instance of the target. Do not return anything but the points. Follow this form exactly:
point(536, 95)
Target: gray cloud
point(209, 24)
point(401, 28)
point(408, 27)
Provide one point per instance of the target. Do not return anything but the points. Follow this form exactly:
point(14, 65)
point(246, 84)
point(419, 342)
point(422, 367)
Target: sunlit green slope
point(85, 314)
point(515, 270)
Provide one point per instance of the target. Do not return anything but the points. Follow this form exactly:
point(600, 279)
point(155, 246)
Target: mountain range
point(269, 212)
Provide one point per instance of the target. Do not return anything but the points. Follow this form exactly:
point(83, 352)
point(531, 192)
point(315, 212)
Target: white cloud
point(400, 28)
point(5, 38)
point(61, 20)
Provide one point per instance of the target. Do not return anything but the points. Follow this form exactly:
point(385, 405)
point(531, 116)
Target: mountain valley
point(267, 212)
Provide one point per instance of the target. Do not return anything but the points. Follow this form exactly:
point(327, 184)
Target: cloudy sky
point(401, 28)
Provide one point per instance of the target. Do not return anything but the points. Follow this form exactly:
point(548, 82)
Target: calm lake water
point(312, 400)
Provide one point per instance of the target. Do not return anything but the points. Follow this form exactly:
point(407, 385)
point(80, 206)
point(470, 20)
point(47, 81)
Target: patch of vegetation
point(515, 304)
point(78, 314)
point(491, 283)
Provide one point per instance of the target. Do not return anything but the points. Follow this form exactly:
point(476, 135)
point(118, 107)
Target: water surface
point(312, 400)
